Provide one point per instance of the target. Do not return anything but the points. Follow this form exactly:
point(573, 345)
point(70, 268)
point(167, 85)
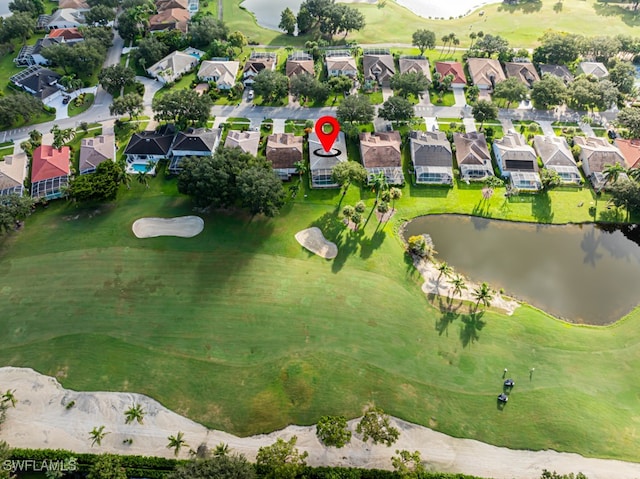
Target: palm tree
point(378, 182)
point(445, 270)
point(611, 173)
point(9, 396)
point(348, 212)
point(142, 178)
point(356, 219)
point(134, 413)
point(221, 450)
point(301, 168)
point(458, 285)
point(453, 41)
point(483, 294)
point(634, 173)
point(395, 194)
point(97, 434)
point(176, 442)
point(472, 36)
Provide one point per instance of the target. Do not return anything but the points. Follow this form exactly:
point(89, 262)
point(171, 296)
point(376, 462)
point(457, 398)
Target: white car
point(250, 95)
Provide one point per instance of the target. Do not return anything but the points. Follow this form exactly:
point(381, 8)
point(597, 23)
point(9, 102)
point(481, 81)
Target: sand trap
point(444, 288)
point(313, 240)
point(41, 421)
point(183, 226)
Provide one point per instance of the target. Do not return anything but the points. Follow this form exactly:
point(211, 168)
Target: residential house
point(75, 4)
point(517, 161)
point(65, 18)
point(485, 73)
point(13, 171)
point(341, 62)
point(454, 69)
point(378, 66)
point(596, 69)
point(95, 150)
point(32, 54)
point(162, 5)
point(146, 148)
point(321, 164)
point(559, 71)
point(630, 150)
point(38, 81)
point(193, 142)
point(220, 71)
point(523, 71)
point(300, 63)
point(170, 19)
point(247, 141)
point(595, 154)
point(257, 62)
point(173, 66)
point(414, 64)
point(431, 157)
point(380, 153)
point(284, 150)
point(50, 170)
point(555, 155)
point(472, 155)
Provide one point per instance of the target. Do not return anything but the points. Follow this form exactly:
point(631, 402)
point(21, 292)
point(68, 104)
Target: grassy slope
point(395, 24)
point(241, 329)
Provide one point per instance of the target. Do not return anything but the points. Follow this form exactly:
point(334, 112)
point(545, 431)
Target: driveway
point(469, 125)
point(458, 94)
point(62, 110)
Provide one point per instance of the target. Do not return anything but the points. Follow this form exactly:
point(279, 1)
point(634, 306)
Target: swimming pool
point(138, 167)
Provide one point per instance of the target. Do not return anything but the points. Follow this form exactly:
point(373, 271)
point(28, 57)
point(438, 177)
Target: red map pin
point(327, 139)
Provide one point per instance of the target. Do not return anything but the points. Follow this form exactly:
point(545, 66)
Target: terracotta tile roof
point(296, 67)
point(77, 4)
point(415, 64)
point(630, 150)
point(66, 33)
point(49, 162)
point(380, 149)
point(284, 150)
point(168, 4)
point(452, 68)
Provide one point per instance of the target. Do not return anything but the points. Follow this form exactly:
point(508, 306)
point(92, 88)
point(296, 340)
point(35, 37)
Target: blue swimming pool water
point(138, 167)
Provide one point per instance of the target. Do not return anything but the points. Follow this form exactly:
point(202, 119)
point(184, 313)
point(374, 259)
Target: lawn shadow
point(481, 208)
point(449, 315)
point(369, 245)
point(500, 405)
point(470, 328)
point(627, 15)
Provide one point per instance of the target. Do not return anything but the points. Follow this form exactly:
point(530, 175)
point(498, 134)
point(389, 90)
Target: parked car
point(250, 95)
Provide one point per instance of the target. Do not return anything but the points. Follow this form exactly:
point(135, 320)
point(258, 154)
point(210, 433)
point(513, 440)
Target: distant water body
point(268, 16)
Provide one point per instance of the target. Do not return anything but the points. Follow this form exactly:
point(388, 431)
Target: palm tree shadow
point(442, 324)
point(470, 328)
point(369, 245)
point(589, 245)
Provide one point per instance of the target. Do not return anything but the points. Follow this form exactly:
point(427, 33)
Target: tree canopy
point(511, 90)
point(115, 77)
point(396, 108)
point(328, 18)
point(182, 107)
point(333, 430)
point(128, 104)
point(348, 172)
point(232, 178)
point(484, 110)
point(410, 83)
point(82, 59)
point(287, 21)
point(217, 467)
point(271, 85)
point(629, 118)
point(550, 91)
point(102, 185)
point(205, 29)
point(355, 109)
point(424, 40)
point(376, 425)
point(32, 7)
point(13, 208)
point(281, 460)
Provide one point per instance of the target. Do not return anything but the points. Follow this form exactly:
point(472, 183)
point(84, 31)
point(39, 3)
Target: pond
point(582, 273)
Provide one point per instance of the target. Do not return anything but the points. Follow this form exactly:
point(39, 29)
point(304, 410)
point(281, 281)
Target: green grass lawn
point(448, 99)
point(271, 335)
point(74, 110)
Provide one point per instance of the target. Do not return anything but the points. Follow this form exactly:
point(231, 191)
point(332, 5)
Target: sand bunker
point(183, 226)
point(313, 240)
point(41, 420)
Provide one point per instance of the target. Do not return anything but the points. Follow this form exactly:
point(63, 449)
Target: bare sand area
point(313, 240)
point(41, 420)
point(434, 283)
point(182, 226)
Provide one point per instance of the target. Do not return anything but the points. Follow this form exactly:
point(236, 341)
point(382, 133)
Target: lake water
point(581, 273)
point(268, 12)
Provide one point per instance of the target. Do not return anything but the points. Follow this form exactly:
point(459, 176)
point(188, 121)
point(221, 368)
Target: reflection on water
point(584, 273)
point(268, 12)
